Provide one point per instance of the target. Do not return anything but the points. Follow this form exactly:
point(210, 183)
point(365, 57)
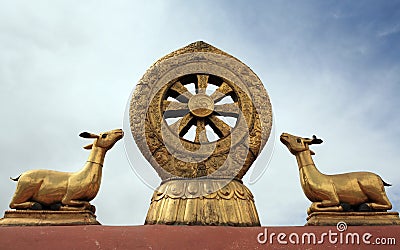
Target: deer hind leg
point(23, 195)
point(377, 206)
point(379, 199)
point(26, 205)
point(329, 201)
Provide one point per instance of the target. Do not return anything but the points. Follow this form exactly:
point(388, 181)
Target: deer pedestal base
point(47, 218)
point(353, 218)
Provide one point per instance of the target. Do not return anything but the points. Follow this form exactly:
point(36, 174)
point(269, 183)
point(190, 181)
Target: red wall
point(192, 237)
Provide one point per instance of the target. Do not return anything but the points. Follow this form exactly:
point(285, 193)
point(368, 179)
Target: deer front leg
point(321, 206)
point(329, 201)
point(78, 206)
point(74, 205)
point(70, 204)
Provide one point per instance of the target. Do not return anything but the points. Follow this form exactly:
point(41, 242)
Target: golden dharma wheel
point(201, 117)
point(199, 112)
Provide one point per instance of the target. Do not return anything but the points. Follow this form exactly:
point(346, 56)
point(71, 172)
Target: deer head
point(104, 140)
point(297, 144)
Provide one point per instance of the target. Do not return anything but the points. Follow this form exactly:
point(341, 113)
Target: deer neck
point(95, 161)
point(97, 155)
point(306, 163)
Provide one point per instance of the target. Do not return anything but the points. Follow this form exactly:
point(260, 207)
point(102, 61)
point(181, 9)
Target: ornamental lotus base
point(216, 202)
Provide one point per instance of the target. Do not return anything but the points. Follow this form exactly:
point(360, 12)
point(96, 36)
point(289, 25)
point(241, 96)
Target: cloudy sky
point(331, 69)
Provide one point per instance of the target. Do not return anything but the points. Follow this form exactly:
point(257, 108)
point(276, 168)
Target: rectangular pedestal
point(47, 218)
point(353, 218)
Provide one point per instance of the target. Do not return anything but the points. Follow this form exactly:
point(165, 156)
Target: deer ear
point(90, 146)
point(88, 135)
point(316, 141)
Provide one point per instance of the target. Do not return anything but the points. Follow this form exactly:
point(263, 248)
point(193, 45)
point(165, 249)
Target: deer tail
point(386, 184)
point(15, 179)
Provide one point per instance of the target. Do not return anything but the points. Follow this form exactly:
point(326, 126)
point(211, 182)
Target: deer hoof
point(36, 206)
point(55, 206)
point(347, 207)
point(364, 208)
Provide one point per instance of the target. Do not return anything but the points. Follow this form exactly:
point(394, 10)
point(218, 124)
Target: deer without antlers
point(38, 189)
point(361, 191)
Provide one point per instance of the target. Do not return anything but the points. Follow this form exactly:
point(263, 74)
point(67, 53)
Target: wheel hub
point(201, 105)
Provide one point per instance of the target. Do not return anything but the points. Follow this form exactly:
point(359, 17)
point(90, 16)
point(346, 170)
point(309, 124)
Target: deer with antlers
point(38, 189)
point(360, 191)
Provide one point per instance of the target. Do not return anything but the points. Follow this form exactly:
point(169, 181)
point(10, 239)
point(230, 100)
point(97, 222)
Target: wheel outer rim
point(165, 71)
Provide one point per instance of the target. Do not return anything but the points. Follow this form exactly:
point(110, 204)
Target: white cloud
point(66, 68)
point(390, 30)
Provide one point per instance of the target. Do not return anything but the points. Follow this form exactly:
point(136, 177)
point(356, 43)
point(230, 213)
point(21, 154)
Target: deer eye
point(298, 140)
point(104, 136)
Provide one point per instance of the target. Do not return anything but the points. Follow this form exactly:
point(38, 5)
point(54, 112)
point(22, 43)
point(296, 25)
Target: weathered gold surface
point(198, 46)
point(330, 193)
point(200, 87)
point(235, 148)
point(201, 105)
point(48, 189)
point(48, 218)
point(203, 202)
point(353, 218)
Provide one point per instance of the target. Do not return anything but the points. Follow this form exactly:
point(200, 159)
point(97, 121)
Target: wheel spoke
point(182, 126)
point(220, 128)
point(201, 85)
point(221, 92)
point(174, 109)
point(230, 109)
point(201, 135)
point(180, 92)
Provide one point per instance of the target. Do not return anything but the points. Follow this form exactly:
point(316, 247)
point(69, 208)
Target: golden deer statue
point(360, 191)
point(38, 189)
